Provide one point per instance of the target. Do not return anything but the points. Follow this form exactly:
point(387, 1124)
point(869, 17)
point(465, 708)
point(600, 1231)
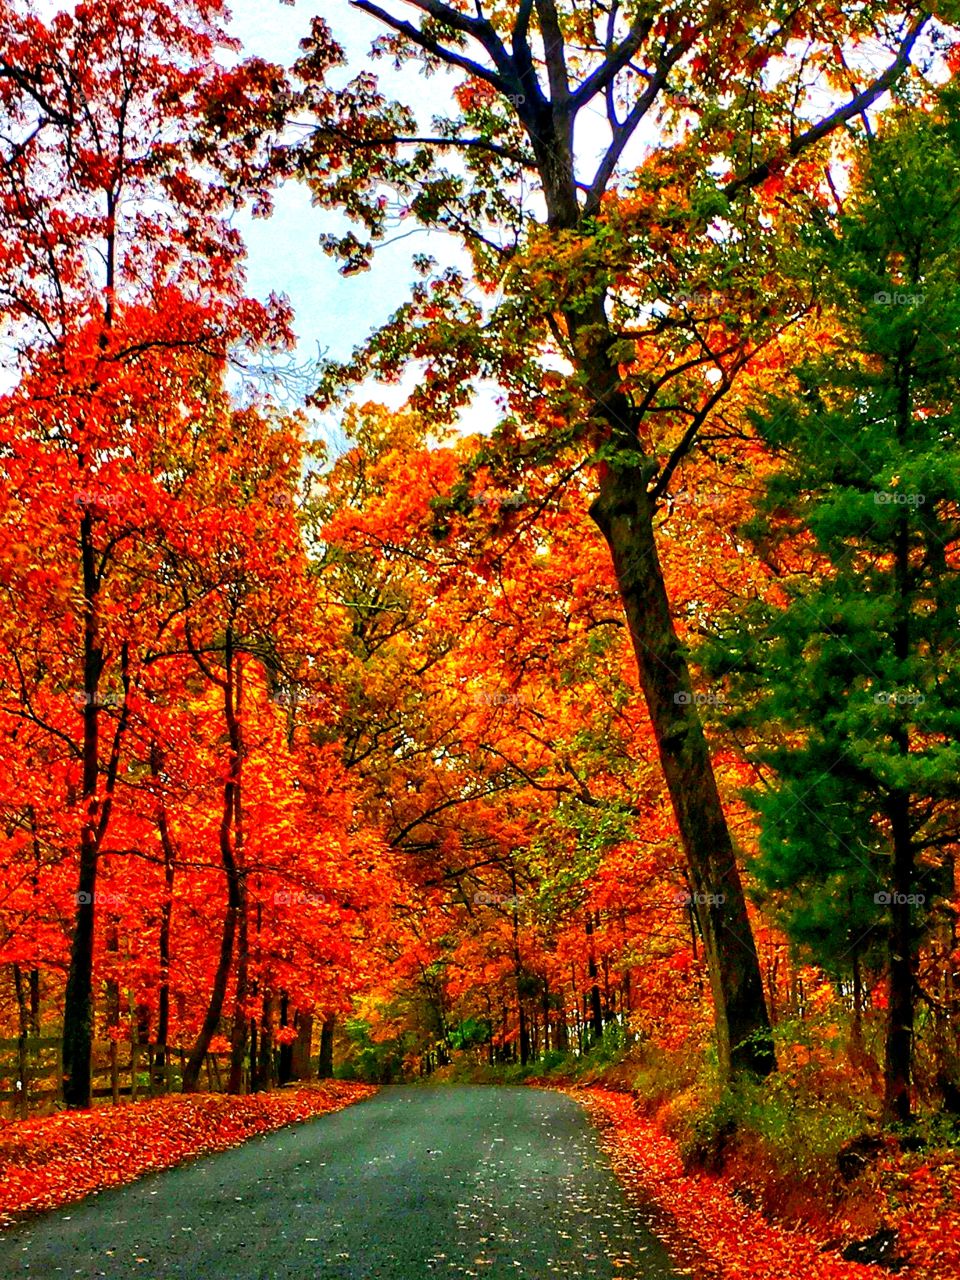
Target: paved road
point(415, 1183)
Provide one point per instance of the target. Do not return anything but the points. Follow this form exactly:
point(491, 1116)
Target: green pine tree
point(851, 679)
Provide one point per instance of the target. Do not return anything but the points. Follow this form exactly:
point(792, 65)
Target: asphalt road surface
point(415, 1183)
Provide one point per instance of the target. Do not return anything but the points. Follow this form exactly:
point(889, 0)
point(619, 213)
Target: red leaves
point(50, 1162)
point(731, 1240)
point(917, 1196)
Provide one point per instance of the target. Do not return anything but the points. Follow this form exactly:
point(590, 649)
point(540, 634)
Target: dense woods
point(622, 724)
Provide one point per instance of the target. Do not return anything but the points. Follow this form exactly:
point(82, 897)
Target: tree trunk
point(78, 998)
point(596, 1009)
point(524, 1034)
point(191, 1072)
point(899, 1040)
point(240, 1028)
point(325, 1066)
point(261, 1073)
point(166, 916)
point(285, 1063)
point(112, 947)
point(624, 513)
point(238, 1038)
point(23, 1031)
point(300, 1048)
point(856, 1026)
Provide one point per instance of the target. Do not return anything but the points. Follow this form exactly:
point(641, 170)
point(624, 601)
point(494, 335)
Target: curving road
point(507, 1184)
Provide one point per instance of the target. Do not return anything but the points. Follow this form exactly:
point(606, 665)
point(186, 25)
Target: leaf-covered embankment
point(55, 1160)
point(713, 1231)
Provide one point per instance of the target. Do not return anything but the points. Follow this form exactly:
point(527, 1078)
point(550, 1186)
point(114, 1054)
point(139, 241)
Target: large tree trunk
point(624, 513)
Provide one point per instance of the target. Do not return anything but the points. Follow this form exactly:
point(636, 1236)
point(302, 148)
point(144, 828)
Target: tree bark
point(300, 1048)
point(241, 1024)
point(285, 1056)
point(899, 1039)
point(78, 998)
point(261, 1072)
point(624, 512)
point(191, 1072)
point(325, 1065)
point(23, 1031)
point(166, 916)
point(596, 1009)
point(112, 948)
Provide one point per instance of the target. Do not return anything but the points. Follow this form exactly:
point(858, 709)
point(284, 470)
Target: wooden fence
point(30, 1072)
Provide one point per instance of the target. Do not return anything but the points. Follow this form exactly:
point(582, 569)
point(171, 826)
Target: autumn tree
point(114, 247)
point(493, 727)
point(632, 267)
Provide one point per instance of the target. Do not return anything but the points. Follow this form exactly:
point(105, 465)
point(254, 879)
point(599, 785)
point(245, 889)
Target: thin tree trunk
point(211, 1021)
point(23, 1030)
point(856, 1026)
point(238, 1038)
point(35, 905)
point(166, 915)
point(112, 947)
point(285, 1064)
point(899, 1040)
point(77, 1045)
point(596, 1009)
point(78, 998)
point(265, 1074)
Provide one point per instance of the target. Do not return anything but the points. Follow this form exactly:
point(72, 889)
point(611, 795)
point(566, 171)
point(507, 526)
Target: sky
point(332, 313)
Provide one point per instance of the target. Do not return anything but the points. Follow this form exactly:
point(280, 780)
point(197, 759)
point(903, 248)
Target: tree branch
point(855, 107)
point(608, 71)
point(433, 46)
point(623, 132)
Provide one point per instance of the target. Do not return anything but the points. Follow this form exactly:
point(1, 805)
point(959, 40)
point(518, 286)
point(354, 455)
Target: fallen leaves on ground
point(52, 1161)
point(713, 1236)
